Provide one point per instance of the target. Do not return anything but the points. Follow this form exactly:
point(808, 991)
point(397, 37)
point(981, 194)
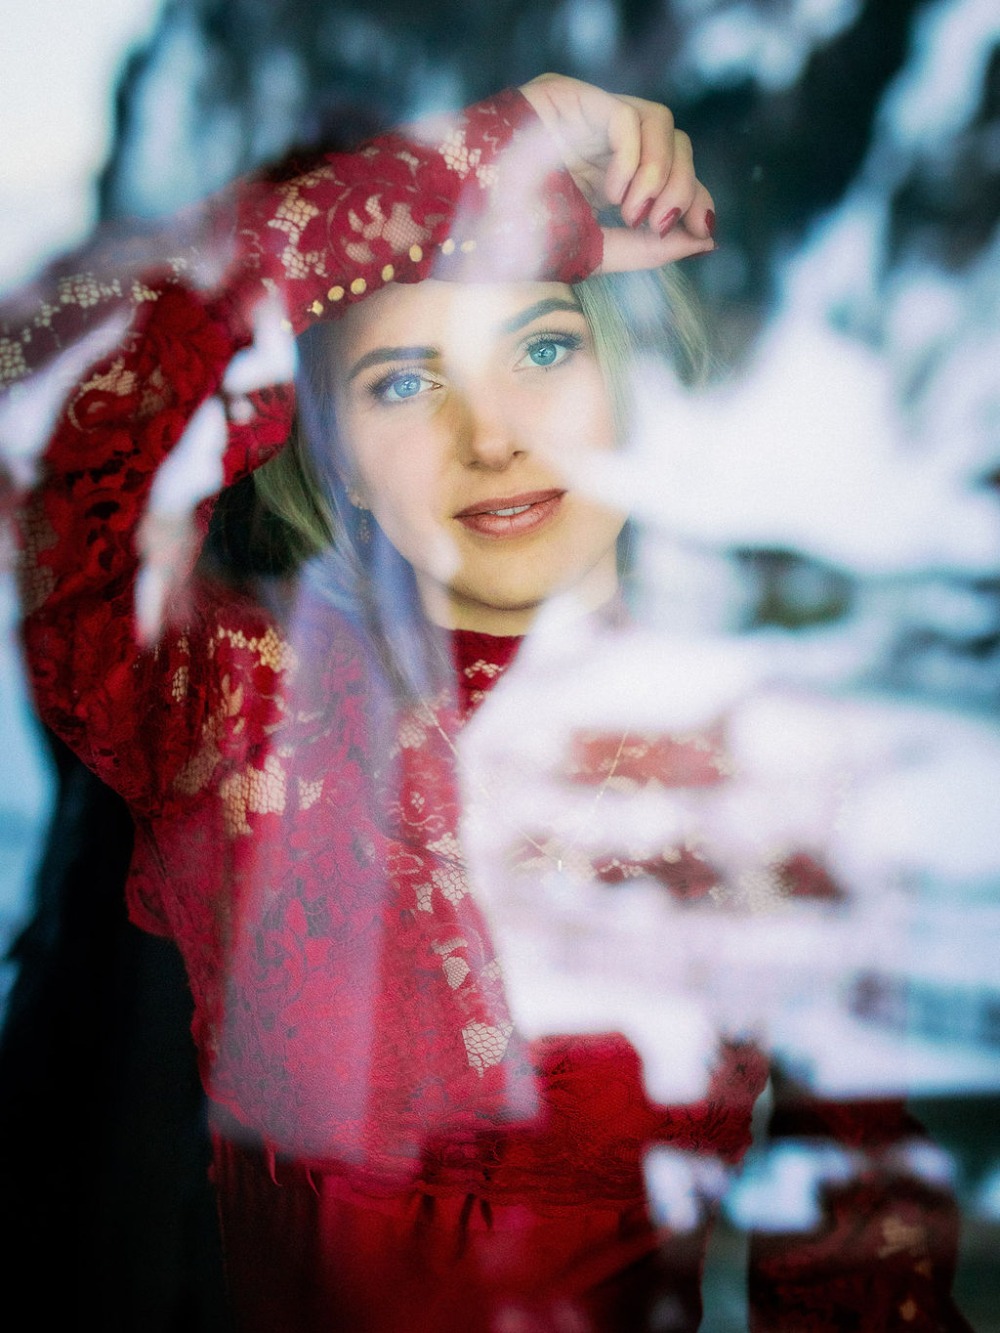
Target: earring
point(363, 526)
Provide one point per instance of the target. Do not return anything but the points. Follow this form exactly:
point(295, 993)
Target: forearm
point(301, 250)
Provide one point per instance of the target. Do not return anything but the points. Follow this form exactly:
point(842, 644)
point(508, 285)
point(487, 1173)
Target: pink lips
point(511, 515)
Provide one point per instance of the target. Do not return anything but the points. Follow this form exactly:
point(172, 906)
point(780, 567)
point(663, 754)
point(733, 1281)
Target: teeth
point(508, 513)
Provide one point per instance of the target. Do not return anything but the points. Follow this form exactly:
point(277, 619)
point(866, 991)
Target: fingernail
point(710, 222)
point(668, 222)
point(643, 213)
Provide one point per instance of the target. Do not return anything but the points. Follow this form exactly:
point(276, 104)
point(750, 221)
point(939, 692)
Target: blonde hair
point(631, 315)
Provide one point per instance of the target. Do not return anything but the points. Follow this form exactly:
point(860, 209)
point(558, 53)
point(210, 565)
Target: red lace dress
point(389, 1152)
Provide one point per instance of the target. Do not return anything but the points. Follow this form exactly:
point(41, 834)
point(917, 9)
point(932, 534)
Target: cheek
point(576, 418)
point(396, 466)
point(399, 471)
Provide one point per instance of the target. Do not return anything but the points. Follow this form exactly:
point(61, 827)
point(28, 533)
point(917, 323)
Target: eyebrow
point(380, 355)
point(533, 312)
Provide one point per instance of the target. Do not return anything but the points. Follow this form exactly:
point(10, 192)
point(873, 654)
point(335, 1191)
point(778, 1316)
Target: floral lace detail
point(261, 828)
point(295, 833)
point(395, 211)
point(13, 362)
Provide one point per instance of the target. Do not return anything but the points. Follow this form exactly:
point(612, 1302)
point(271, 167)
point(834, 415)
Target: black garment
point(109, 1217)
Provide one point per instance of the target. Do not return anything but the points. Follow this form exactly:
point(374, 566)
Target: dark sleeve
point(883, 1258)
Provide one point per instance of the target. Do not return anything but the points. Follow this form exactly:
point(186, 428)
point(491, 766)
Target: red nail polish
point(643, 213)
point(710, 223)
point(668, 222)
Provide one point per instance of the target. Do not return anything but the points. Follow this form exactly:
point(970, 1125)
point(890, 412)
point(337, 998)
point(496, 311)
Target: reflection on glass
point(565, 767)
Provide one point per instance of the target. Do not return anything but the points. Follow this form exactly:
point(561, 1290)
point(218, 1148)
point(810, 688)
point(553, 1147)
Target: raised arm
point(626, 153)
point(307, 246)
point(446, 199)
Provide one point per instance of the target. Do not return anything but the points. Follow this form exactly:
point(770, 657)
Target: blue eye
point(400, 386)
point(403, 386)
point(551, 349)
point(544, 353)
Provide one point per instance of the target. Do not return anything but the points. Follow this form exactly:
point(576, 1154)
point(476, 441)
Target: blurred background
point(853, 149)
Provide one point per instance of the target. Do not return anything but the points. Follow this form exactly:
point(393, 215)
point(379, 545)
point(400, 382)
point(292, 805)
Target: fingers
point(669, 214)
point(628, 248)
point(664, 156)
point(626, 151)
point(639, 154)
point(665, 191)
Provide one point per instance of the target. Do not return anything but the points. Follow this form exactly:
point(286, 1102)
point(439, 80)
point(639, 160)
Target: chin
point(512, 597)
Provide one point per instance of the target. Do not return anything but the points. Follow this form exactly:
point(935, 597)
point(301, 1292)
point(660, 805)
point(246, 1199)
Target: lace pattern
point(295, 835)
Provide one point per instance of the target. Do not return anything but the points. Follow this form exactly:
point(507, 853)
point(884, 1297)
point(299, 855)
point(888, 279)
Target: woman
point(388, 1151)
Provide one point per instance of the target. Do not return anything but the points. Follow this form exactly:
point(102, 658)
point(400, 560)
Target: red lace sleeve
point(396, 210)
point(884, 1256)
point(438, 198)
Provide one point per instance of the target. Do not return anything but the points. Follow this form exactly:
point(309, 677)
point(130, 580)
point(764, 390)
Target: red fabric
point(308, 1252)
point(391, 1152)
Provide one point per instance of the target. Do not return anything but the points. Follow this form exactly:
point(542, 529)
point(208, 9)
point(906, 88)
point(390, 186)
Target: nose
point(486, 434)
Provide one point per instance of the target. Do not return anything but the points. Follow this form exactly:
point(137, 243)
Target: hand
point(626, 152)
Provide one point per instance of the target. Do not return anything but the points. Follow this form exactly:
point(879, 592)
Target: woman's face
point(462, 408)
